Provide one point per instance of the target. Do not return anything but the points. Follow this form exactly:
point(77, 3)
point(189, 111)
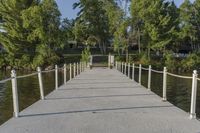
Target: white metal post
point(70, 71)
point(109, 60)
point(15, 94)
point(77, 68)
point(165, 84)
point(133, 71)
point(129, 70)
point(80, 67)
point(125, 68)
point(74, 69)
point(56, 77)
point(40, 83)
point(140, 73)
point(65, 74)
point(149, 78)
point(193, 96)
point(122, 67)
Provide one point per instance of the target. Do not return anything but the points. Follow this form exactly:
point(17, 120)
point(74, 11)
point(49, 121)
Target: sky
point(66, 9)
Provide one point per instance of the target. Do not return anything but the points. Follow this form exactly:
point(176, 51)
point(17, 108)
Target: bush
point(170, 61)
point(191, 62)
point(85, 56)
point(143, 59)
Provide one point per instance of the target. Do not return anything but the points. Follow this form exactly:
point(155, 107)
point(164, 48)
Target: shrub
point(170, 61)
point(85, 56)
point(191, 62)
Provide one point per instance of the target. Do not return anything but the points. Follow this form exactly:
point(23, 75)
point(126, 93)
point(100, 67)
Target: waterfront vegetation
point(33, 34)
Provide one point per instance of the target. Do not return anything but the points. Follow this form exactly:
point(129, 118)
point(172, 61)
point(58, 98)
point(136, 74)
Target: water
point(28, 91)
point(178, 90)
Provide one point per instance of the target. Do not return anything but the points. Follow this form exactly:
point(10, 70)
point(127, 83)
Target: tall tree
point(93, 16)
point(31, 31)
point(156, 21)
point(188, 30)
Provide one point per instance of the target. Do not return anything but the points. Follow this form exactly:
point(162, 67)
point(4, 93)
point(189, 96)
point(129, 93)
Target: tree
point(188, 29)
point(13, 37)
point(32, 33)
point(93, 17)
point(155, 20)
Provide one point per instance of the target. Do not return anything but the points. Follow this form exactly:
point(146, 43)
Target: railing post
point(125, 68)
point(122, 67)
point(40, 83)
point(80, 68)
point(15, 93)
point(77, 68)
point(56, 77)
point(133, 71)
point(140, 73)
point(129, 70)
point(193, 95)
point(74, 69)
point(65, 74)
point(70, 71)
point(165, 84)
point(116, 65)
point(149, 78)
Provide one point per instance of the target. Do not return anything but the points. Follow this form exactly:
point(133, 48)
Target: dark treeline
point(33, 34)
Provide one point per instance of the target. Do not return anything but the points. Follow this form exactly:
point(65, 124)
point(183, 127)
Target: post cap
point(38, 69)
point(13, 73)
point(195, 72)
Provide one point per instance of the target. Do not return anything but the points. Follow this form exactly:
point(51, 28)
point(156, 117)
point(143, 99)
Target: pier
point(101, 100)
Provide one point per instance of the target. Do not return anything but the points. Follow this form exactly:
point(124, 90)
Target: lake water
point(178, 90)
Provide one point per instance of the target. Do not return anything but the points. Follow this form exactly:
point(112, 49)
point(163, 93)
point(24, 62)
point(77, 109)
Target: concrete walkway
point(102, 101)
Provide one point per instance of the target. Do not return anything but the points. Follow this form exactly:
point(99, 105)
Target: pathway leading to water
point(101, 101)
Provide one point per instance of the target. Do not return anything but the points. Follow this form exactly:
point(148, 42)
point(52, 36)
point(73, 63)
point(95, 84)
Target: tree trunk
point(104, 47)
point(149, 51)
point(127, 54)
point(139, 44)
point(100, 47)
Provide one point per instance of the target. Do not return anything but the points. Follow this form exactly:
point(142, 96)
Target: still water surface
point(178, 90)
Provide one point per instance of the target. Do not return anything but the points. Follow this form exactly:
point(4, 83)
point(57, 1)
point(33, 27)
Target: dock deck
point(102, 100)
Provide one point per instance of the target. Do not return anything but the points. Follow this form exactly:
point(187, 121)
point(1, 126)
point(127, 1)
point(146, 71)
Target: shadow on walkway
point(97, 110)
point(105, 96)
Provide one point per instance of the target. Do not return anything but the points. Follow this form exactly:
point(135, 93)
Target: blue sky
point(65, 7)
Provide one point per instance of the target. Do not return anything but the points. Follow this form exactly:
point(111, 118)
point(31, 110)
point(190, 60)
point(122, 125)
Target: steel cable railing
point(179, 76)
point(5, 80)
point(78, 68)
point(26, 76)
point(122, 65)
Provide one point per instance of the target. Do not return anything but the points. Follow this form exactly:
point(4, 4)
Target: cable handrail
point(47, 71)
point(5, 80)
point(146, 69)
point(179, 76)
point(156, 71)
point(28, 75)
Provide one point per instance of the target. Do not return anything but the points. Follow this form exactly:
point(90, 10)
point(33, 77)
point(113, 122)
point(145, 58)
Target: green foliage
point(85, 56)
point(31, 34)
point(143, 58)
point(191, 62)
point(92, 18)
point(157, 21)
point(170, 61)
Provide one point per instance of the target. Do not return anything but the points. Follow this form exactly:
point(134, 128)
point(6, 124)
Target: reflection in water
point(28, 91)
